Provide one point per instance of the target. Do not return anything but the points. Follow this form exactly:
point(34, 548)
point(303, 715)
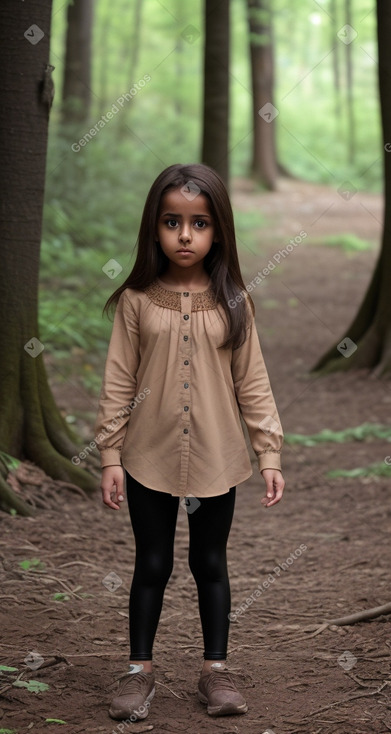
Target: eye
point(171, 223)
point(201, 222)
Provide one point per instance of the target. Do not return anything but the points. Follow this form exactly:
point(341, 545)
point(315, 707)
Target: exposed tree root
point(361, 616)
point(9, 500)
point(27, 489)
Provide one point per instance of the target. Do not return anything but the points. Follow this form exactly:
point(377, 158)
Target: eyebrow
point(172, 214)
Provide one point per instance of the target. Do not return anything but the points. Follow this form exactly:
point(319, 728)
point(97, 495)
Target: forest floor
point(295, 681)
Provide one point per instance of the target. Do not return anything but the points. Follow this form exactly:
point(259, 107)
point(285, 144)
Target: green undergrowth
point(347, 241)
point(359, 433)
point(365, 432)
point(379, 469)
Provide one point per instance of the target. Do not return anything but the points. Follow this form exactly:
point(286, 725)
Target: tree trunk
point(31, 426)
point(216, 87)
point(264, 167)
point(371, 328)
point(76, 93)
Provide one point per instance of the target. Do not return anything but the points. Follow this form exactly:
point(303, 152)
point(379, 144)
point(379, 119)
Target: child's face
point(185, 229)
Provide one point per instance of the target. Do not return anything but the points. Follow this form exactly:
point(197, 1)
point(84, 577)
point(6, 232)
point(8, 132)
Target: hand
point(112, 486)
point(274, 486)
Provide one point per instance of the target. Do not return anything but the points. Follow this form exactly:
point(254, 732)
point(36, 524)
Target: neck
point(189, 278)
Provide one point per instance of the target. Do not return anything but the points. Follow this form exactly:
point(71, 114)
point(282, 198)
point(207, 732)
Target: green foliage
point(247, 226)
point(9, 461)
point(8, 731)
point(360, 433)
point(379, 469)
point(31, 564)
point(61, 596)
point(55, 721)
point(35, 686)
point(346, 241)
point(163, 122)
point(367, 431)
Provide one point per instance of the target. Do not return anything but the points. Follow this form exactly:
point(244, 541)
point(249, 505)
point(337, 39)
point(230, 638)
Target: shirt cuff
point(269, 460)
point(110, 457)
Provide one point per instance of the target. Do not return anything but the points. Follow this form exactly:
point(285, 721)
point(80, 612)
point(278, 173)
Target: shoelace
point(132, 682)
point(220, 679)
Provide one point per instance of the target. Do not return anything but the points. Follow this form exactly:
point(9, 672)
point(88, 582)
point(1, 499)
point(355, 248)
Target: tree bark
point(264, 166)
point(31, 425)
point(216, 87)
point(76, 93)
point(371, 328)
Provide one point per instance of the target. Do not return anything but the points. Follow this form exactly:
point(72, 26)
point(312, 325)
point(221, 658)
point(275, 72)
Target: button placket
point(185, 393)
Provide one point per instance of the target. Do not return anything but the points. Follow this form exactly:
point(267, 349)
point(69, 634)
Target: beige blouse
point(170, 403)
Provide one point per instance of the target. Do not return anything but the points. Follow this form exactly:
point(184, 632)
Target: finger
point(109, 498)
point(120, 490)
point(119, 493)
point(272, 502)
point(117, 497)
point(269, 494)
point(277, 495)
point(110, 503)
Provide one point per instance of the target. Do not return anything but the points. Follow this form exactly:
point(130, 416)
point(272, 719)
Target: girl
point(184, 363)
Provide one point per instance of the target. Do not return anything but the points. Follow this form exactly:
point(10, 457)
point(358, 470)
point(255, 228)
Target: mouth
point(184, 251)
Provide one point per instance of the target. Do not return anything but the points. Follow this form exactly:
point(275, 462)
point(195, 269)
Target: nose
point(185, 234)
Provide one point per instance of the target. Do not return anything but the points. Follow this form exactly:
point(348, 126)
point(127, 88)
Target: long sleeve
point(119, 383)
point(256, 401)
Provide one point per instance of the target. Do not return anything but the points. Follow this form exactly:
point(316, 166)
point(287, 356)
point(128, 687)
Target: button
point(186, 361)
point(186, 385)
point(186, 317)
point(185, 430)
point(185, 338)
point(186, 408)
point(185, 293)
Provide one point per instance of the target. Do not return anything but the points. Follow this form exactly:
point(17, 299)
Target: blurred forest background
point(327, 131)
point(290, 100)
point(281, 98)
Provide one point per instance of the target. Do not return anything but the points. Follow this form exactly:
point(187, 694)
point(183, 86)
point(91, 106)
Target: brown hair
point(221, 263)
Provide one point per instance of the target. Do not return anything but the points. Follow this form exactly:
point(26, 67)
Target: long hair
point(221, 263)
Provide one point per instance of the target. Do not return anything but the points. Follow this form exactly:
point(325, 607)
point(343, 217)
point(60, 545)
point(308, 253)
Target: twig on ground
point(350, 698)
point(184, 698)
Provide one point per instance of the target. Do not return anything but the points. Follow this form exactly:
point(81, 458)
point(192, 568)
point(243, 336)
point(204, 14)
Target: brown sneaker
point(135, 692)
point(217, 689)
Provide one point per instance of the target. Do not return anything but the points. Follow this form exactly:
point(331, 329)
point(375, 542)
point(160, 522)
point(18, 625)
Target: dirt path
point(324, 551)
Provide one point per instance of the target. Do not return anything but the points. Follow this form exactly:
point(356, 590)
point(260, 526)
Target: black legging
point(153, 516)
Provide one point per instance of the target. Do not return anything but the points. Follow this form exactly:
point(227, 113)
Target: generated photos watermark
point(276, 572)
point(114, 423)
point(110, 114)
point(138, 714)
point(261, 275)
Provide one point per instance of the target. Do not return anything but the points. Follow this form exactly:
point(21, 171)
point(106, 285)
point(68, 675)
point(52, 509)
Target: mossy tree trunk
point(371, 328)
point(216, 87)
point(264, 166)
point(31, 426)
